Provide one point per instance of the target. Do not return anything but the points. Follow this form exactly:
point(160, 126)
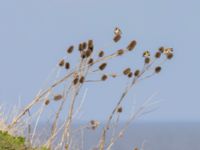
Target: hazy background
point(34, 35)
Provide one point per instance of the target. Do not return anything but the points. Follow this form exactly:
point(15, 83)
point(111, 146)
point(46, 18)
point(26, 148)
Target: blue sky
point(35, 33)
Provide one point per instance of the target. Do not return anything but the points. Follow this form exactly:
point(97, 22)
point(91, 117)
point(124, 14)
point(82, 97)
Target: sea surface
point(150, 136)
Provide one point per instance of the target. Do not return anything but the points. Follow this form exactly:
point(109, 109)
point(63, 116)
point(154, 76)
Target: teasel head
point(67, 65)
point(104, 77)
point(161, 49)
point(158, 54)
point(90, 61)
point(117, 38)
point(88, 53)
point(80, 47)
point(127, 71)
point(61, 63)
point(158, 69)
point(101, 53)
point(75, 81)
point(130, 75)
point(119, 109)
point(120, 52)
point(82, 79)
point(170, 56)
point(102, 66)
point(131, 45)
point(146, 54)
point(137, 73)
point(90, 45)
point(70, 49)
point(47, 101)
point(147, 60)
point(58, 97)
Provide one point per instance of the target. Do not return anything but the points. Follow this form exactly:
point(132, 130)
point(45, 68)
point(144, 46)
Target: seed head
point(158, 69)
point(117, 31)
point(103, 66)
point(104, 77)
point(131, 45)
point(130, 75)
point(88, 53)
point(137, 73)
point(47, 102)
point(82, 79)
point(158, 54)
point(84, 45)
point(119, 110)
point(90, 61)
point(127, 71)
point(94, 124)
point(101, 53)
point(170, 56)
point(70, 49)
point(75, 81)
point(161, 49)
point(67, 65)
point(120, 52)
point(58, 97)
point(61, 63)
point(117, 38)
point(90, 45)
point(146, 54)
point(147, 60)
point(80, 47)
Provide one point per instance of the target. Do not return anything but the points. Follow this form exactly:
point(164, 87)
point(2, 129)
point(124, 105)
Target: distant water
point(154, 136)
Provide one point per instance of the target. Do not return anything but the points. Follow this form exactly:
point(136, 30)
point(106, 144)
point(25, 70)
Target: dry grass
point(69, 86)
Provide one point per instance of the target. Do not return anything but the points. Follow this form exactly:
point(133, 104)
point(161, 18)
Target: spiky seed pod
point(104, 77)
point(158, 54)
point(88, 53)
point(47, 102)
point(146, 54)
point(84, 45)
point(103, 66)
point(90, 61)
point(82, 79)
point(147, 60)
point(101, 53)
point(131, 45)
point(116, 38)
point(161, 49)
point(137, 73)
point(75, 81)
point(170, 56)
point(58, 97)
point(70, 49)
point(127, 71)
point(130, 75)
point(61, 63)
point(158, 69)
point(67, 65)
point(120, 52)
point(80, 47)
point(119, 110)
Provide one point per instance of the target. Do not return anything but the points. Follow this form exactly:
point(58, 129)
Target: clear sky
point(35, 33)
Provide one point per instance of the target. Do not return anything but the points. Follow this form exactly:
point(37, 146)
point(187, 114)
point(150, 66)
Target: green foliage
point(9, 142)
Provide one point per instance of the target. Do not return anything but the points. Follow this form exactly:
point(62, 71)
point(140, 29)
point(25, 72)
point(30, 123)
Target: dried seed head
point(90, 61)
point(170, 56)
point(131, 45)
point(161, 49)
point(158, 54)
point(120, 52)
point(58, 97)
point(84, 45)
point(127, 71)
point(147, 60)
point(67, 65)
point(90, 45)
point(119, 110)
point(104, 77)
point(130, 74)
point(70, 49)
point(103, 66)
point(82, 79)
point(117, 38)
point(158, 69)
point(88, 53)
point(101, 53)
point(47, 102)
point(61, 63)
point(113, 75)
point(168, 50)
point(80, 47)
point(137, 73)
point(117, 31)
point(75, 81)
point(94, 124)
point(83, 55)
point(146, 54)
